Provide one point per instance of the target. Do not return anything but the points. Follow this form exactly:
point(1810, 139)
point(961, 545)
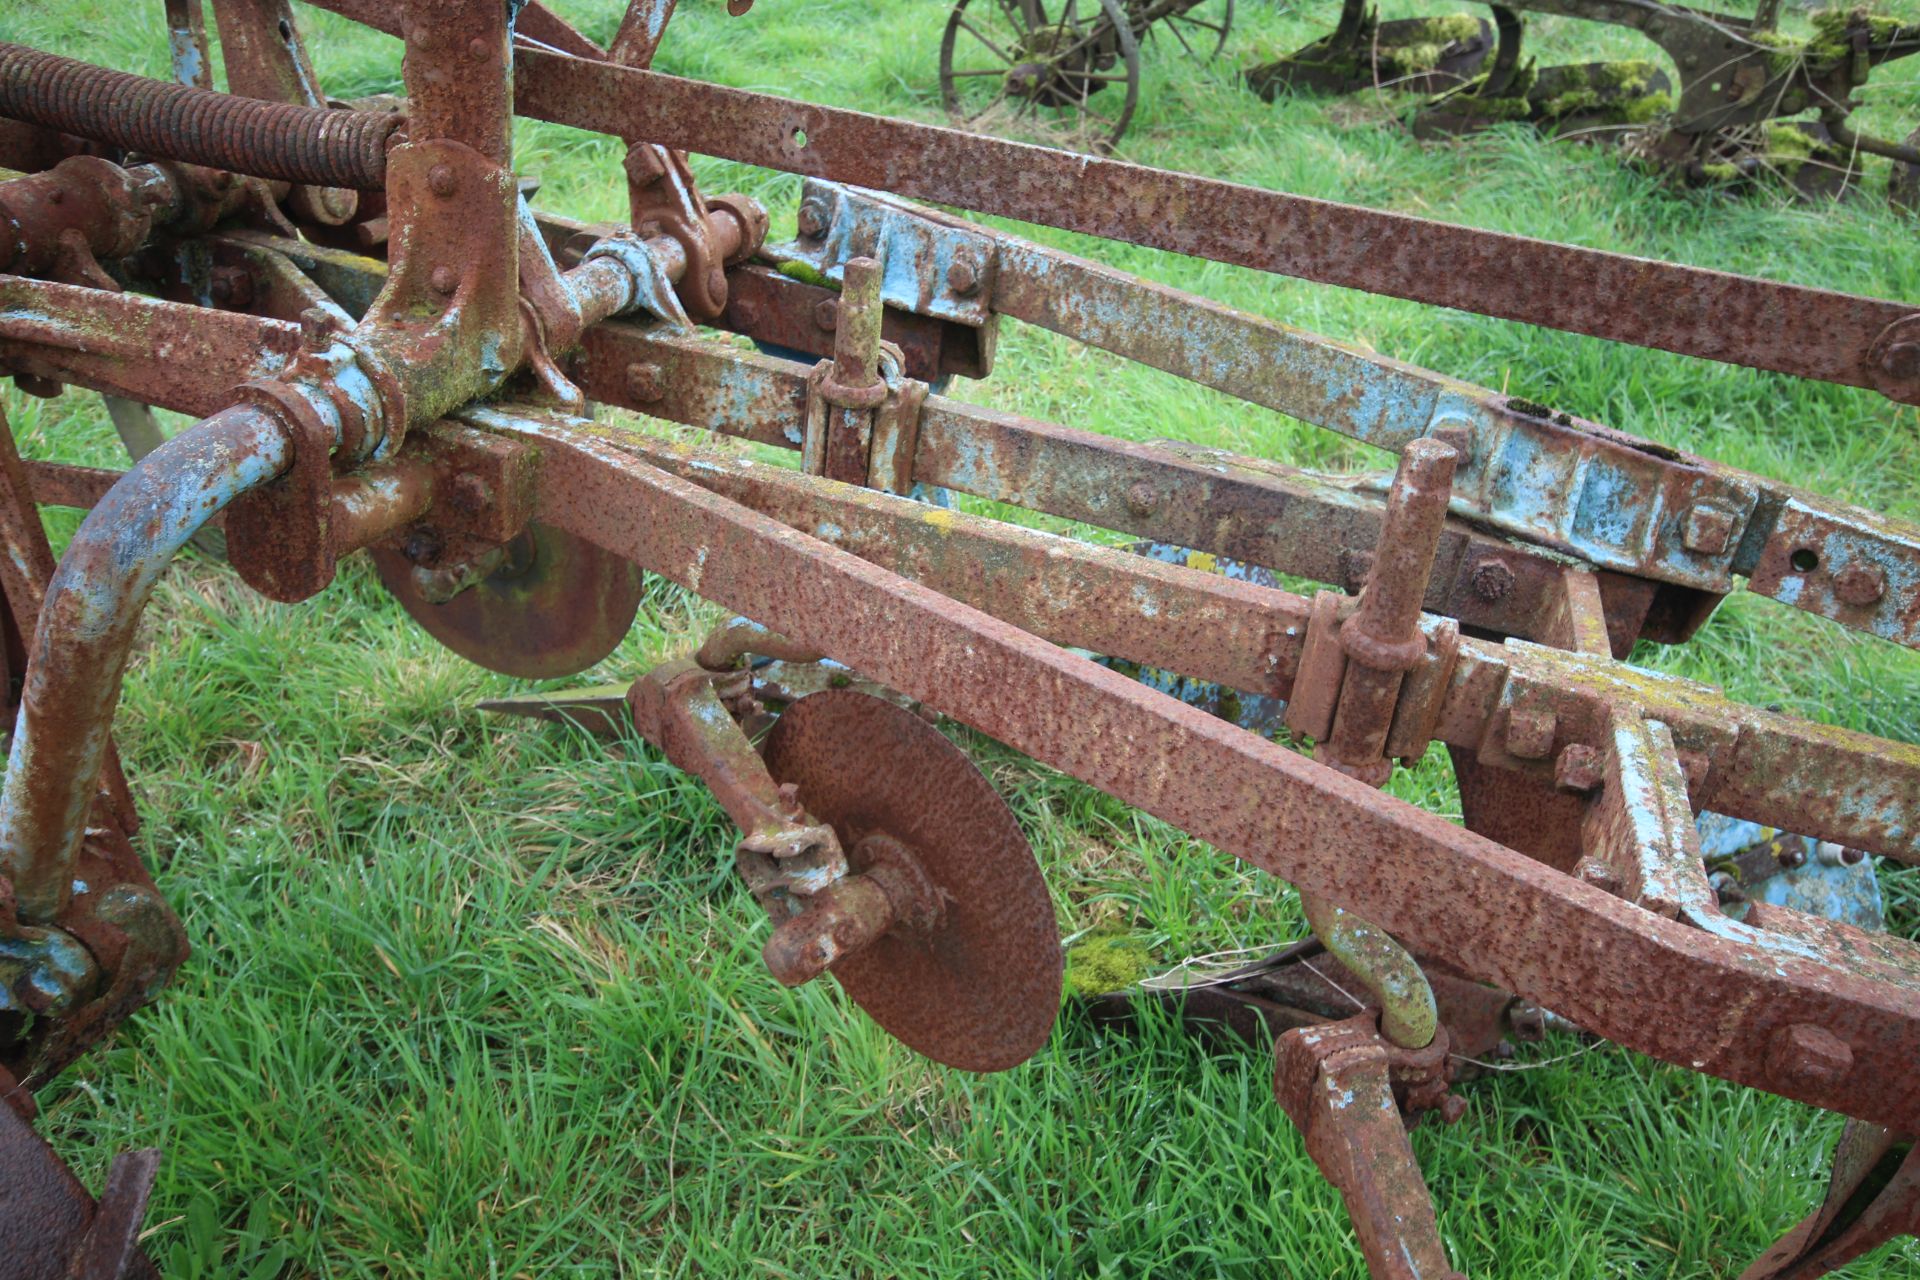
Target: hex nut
point(1708, 530)
point(468, 493)
point(812, 220)
point(1457, 436)
point(1491, 579)
point(1808, 1056)
point(1530, 732)
point(1578, 769)
point(963, 275)
point(1356, 564)
point(643, 382)
point(1598, 874)
point(826, 312)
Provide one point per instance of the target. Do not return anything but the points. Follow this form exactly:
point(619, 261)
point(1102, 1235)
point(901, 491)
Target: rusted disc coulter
point(547, 604)
point(967, 968)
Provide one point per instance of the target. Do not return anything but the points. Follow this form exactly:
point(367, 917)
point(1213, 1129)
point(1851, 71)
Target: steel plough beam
point(1614, 968)
point(1762, 324)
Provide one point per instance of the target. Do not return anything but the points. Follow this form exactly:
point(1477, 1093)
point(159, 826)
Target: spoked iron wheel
point(1067, 65)
point(1200, 30)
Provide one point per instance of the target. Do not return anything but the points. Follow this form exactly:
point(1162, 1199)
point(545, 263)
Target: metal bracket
point(1334, 1083)
point(940, 269)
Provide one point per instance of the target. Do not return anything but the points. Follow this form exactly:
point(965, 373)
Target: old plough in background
point(389, 349)
point(1734, 97)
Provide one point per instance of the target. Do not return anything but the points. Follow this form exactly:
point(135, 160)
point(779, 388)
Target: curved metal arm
point(1408, 1016)
point(86, 631)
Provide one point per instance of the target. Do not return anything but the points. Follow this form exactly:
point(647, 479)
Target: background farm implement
point(390, 348)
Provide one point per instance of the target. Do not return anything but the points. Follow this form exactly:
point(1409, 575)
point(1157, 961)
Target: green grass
point(473, 998)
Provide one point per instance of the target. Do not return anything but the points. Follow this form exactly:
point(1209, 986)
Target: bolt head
point(1808, 1056)
point(1860, 584)
point(1491, 579)
point(445, 280)
point(745, 314)
point(813, 220)
point(477, 49)
point(1578, 769)
point(643, 382)
point(1142, 498)
point(1902, 360)
point(442, 181)
point(1530, 732)
point(826, 312)
point(963, 276)
point(1708, 530)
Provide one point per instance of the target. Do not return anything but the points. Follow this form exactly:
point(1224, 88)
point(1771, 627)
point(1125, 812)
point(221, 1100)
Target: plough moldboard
point(388, 349)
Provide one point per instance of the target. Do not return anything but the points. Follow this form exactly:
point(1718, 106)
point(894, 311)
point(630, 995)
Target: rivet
point(444, 280)
point(1142, 498)
point(442, 181)
point(477, 49)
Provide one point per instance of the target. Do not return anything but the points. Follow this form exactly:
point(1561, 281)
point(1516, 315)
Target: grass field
point(473, 998)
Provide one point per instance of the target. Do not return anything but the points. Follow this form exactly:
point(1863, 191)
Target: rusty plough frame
point(389, 350)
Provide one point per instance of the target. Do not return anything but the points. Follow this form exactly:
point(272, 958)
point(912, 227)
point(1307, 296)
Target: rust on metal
point(389, 351)
point(979, 986)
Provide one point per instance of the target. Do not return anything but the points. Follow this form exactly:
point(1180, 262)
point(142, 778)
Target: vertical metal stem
point(856, 330)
